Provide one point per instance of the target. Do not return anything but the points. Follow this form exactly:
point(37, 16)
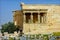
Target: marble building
point(38, 18)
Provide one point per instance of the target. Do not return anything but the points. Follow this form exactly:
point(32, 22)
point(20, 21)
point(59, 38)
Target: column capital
point(23, 13)
point(31, 13)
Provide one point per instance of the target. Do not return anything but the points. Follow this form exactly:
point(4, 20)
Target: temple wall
point(53, 19)
point(18, 19)
point(52, 24)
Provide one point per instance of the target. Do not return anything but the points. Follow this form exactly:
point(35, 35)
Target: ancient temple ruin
point(38, 18)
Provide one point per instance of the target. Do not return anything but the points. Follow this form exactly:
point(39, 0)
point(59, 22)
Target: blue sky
point(7, 6)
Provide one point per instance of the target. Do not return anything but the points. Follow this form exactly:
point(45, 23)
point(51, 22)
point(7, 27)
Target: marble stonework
point(27, 22)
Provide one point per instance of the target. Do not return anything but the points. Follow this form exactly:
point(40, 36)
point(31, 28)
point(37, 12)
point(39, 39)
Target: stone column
point(44, 19)
point(31, 18)
point(38, 18)
point(24, 18)
point(41, 19)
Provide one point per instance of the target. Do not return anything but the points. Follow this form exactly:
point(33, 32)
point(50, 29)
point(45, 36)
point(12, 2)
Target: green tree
point(8, 27)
